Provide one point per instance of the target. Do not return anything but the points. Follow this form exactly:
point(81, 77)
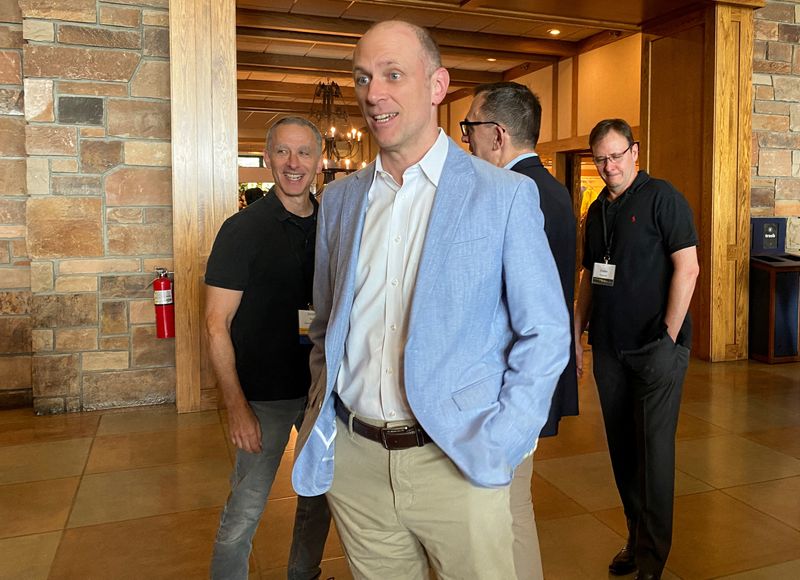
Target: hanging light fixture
point(328, 110)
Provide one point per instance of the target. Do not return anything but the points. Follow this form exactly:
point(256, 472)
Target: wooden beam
point(287, 107)
point(254, 87)
point(523, 69)
point(456, 95)
point(602, 39)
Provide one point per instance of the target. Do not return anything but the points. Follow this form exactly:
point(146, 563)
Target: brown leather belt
point(392, 438)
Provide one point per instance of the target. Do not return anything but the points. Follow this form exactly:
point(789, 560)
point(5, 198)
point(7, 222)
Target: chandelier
point(340, 148)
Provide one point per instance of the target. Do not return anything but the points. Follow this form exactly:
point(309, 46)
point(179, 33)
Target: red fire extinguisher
point(165, 308)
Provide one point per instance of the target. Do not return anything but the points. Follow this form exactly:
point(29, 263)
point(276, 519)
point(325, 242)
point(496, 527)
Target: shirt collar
point(431, 164)
point(519, 158)
point(281, 213)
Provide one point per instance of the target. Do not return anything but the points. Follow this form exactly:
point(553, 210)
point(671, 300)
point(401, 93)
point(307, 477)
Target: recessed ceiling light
point(492, 59)
point(554, 32)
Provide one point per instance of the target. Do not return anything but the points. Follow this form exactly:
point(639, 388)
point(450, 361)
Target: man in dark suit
point(502, 127)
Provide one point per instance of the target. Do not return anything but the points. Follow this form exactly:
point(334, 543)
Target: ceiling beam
point(268, 88)
point(343, 28)
point(287, 107)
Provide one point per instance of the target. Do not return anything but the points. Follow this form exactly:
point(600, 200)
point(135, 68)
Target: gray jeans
point(251, 482)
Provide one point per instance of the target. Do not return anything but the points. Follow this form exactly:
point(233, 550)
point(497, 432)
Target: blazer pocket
point(468, 248)
point(478, 395)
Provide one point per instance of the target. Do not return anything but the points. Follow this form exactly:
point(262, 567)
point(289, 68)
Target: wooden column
point(204, 172)
point(696, 128)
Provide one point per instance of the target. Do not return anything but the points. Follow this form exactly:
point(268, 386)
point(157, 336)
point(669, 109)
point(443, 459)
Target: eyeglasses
point(614, 157)
point(465, 125)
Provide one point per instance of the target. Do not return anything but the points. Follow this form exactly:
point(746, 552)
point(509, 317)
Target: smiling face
point(295, 160)
point(397, 91)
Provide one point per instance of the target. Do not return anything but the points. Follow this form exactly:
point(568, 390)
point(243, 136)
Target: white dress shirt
point(370, 380)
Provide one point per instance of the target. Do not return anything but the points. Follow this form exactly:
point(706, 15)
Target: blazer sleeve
point(323, 297)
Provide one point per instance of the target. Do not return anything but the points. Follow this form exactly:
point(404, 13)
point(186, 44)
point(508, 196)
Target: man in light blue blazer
point(440, 333)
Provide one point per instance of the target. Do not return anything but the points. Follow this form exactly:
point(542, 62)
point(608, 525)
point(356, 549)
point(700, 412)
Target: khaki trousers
point(398, 511)
point(527, 557)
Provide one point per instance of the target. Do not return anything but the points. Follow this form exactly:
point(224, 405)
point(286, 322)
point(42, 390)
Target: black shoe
point(623, 563)
point(647, 576)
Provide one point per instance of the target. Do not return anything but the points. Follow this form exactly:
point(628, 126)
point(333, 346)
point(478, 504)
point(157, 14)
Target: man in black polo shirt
point(259, 284)
point(640, 267)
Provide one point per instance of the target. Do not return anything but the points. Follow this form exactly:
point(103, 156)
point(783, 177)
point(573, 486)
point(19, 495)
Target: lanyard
point(607, 240)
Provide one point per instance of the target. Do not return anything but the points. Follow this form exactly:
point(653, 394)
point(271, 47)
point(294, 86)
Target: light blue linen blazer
point(488, 331)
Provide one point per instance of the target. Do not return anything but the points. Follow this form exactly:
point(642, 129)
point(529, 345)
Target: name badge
point(304, 319)
point(603, 274)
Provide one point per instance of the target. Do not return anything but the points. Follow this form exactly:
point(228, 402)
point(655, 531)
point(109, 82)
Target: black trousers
point(640, 395)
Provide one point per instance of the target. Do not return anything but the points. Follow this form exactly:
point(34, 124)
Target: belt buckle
point(393, 431)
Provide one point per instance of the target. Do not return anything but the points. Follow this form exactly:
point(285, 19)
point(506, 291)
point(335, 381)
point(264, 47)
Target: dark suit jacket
point(559, 226)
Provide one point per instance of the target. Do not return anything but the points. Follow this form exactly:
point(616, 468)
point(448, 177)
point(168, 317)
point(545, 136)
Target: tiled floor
point(136, 493)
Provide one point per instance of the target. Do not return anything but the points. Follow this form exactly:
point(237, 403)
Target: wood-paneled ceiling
point(285, 47)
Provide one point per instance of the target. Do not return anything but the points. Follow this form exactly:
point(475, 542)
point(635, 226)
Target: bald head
point(430, 50)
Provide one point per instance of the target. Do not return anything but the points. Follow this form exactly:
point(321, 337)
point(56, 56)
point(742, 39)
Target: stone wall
point(97, 218)
point(776, 110)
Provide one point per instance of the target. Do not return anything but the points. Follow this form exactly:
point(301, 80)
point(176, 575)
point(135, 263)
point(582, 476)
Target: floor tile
point(33, 429)
point(273, 538)
point(167, 547)
point(779, 498)
point(36, 461)
point(587, 479)
point(715, 535)
point(576, 436)
point(333, 567)
point(138, 449)
point(136, 493)
point(690, 427)
point(550, 503)
point(282, 486)
point(28, 557)
point(731, 460)
point(786, 440)
point(162, 418)
point(742, 412)
point(35, 507)
point(784, 571)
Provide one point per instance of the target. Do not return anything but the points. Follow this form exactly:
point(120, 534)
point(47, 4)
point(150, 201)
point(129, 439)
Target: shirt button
point(397, 239)
point(392, 327)
point(392, 413)
point(395, 282)
point(389, 371)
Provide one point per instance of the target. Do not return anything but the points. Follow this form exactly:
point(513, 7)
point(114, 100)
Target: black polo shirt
point(268, 254)
point(649, 222)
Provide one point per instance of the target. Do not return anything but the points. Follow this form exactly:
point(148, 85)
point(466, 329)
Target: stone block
point(61, 227)
point(64, 165)
point(12, 137)
point(128, 388)
point(67, 62)
point(98, 266)
point(10, 67)
point(76, 284)
point(152, 153)
point(56, 374)
point(49, 405)
point(789, 32)
point(155, 18)
point(80, 110)
point(15, 231)
point(150, 264)
point(762, 79)
point(12, 102)
point(772, 108)
point(776, 12)
point(5, 254)
point(103, 37)
point(41, 277)
point(156, 41)
point(794, 116)
point(76, 184)
point(15, 302)
point(71, 10)
point(120, 16)
point(93, 88)
point(39, 100)
point(148, 351)
point(787, 189)
point(114, 317)
point(72, 404)
point(759, 49)
point(779, 51)
point(138, 239)
point(125, 215)
point(15, 334)
point(158, 215)
point(104, 361)
point(60, 310)
point(12, 211)
point(151, 80)
point(51, 140)
point(42, 340)
point(764, 93)
point(779, 140)
point(38, 30)
point(115, 343)
point(92, 132)
point(100, 156)
point(15, 372)
point(775, 162)
point(37, 176)
point(142, 312)
point(12, 177)
point(770, 122)
point(130, 286)
point(10, 12)
point(10, 36)
point(765, 30)
point(142, 119)
point(76, 339)
point(772, 67)
point(786, 208)
point(139, 186)
point(15, 278)
point(787, 88)
point(19, 249)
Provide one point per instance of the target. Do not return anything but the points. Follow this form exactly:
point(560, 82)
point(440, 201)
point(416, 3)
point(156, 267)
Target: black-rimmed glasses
point(465, 125)
point(613, 157)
